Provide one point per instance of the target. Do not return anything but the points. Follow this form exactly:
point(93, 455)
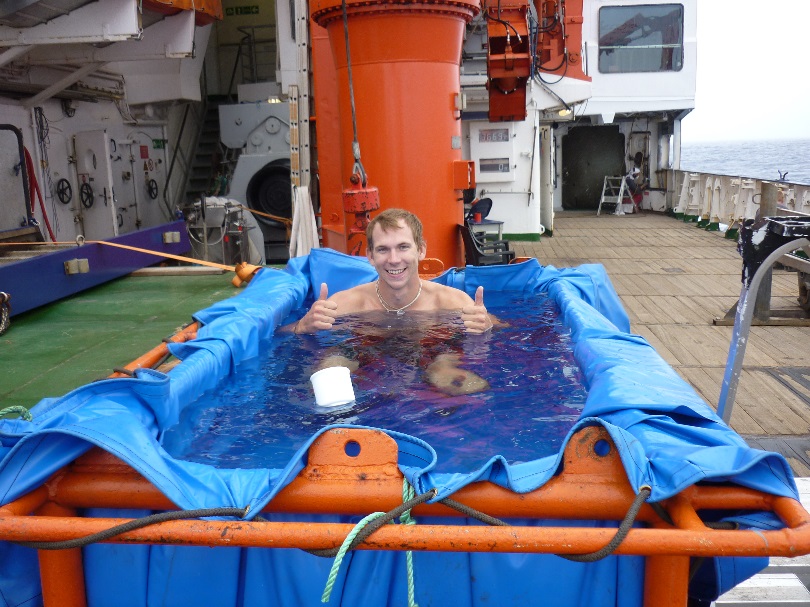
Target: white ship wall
point(128, 96)
point(127, 158)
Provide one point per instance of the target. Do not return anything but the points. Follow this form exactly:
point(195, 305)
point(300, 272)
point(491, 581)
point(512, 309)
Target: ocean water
point(534, 393)
point(755, 159)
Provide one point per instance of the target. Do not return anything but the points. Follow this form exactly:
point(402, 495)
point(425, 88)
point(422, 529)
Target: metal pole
point(742, 327)
point(767, 208)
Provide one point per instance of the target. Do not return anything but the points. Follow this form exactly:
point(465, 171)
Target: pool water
point(532, 390)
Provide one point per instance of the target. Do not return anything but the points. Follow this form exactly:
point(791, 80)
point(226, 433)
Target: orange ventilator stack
point(405, 76)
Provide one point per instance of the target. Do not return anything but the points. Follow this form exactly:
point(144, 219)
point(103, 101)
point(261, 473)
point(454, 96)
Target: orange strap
point(124, 246)
point(244, 271)
point(284, 220)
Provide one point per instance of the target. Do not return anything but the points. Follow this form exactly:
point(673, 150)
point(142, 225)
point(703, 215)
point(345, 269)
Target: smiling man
point(395, 248)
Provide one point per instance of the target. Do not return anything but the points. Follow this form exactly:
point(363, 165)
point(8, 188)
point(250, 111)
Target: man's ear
point(422, 251)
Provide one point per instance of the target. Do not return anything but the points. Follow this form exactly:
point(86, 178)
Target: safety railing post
point(61, 571)
point(666, 581)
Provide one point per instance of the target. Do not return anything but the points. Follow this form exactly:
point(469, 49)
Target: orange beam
point(443, 538)
point(61, 572)
point(592, 487)
point(666, 581)
point(206, 11)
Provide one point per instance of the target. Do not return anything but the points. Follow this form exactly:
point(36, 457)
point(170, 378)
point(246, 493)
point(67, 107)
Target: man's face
point(395, 255)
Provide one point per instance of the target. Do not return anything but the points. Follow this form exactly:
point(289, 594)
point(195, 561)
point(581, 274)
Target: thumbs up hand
point(475, 317)
point(320, 316)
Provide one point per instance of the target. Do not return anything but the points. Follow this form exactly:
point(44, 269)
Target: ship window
point(641, 38)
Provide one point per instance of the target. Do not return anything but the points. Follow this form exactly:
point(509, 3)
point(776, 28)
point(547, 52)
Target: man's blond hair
point(389, 220)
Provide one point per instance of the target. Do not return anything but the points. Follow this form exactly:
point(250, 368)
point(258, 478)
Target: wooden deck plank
point(674, 279)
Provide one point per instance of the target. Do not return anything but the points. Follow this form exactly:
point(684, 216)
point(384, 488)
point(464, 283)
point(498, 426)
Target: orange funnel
point(405, 72)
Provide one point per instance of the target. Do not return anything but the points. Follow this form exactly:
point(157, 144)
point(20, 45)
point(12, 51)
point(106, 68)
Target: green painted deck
point(54, 349)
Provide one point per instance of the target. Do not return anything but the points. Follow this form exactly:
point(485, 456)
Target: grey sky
point(752, 75)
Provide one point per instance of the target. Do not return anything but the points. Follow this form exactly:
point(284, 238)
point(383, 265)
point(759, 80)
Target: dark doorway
point(589, 153)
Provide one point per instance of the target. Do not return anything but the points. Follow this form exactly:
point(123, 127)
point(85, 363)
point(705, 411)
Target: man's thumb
point(479, 296)
point(324, 291)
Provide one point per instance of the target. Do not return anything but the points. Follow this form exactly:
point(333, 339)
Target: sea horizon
point(766, 159)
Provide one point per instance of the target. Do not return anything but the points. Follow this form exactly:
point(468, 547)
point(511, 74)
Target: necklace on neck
point(399, 311)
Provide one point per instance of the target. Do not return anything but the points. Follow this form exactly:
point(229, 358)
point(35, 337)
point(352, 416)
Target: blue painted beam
point(42, 279)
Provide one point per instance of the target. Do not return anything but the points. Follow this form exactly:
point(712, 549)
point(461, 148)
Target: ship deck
point(673, 278)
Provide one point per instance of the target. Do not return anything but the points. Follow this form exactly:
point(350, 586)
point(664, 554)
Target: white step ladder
point(614, 191)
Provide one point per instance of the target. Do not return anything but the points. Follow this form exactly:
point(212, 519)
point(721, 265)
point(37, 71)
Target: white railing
point(729, 200)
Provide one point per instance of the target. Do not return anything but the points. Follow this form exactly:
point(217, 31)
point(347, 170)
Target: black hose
point(112, 532)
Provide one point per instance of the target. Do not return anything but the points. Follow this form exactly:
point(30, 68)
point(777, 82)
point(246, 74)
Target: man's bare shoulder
point(361, 298)
point(446, 298)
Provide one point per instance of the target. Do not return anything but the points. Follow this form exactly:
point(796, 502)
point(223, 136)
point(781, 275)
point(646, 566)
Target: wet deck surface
point(674, 280)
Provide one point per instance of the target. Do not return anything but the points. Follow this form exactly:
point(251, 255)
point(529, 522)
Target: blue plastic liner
point(667, 437)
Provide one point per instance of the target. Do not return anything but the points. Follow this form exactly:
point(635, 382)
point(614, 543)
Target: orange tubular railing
point(156, 354)
point(591, 486)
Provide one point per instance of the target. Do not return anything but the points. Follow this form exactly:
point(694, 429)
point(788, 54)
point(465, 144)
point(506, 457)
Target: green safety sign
point(242, 10)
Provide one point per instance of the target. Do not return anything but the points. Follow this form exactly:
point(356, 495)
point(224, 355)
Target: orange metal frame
point(206, 11)
point(590, 487)
point(151, 358)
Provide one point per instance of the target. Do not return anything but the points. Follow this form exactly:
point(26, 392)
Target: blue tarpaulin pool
point(666, 436)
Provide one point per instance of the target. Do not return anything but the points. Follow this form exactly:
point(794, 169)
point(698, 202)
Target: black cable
point(506, 24)
point(659, 510)
point(624, 529)
point(355, 143)
point(473, 513)
point(153, 519)
point(43, 141)
point(241, 513)
point(607, 550)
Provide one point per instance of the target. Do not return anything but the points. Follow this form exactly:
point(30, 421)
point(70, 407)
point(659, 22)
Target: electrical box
point(492, 147)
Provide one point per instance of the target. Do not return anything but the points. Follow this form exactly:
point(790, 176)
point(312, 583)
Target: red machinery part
point(33, 189)
point(509, 60)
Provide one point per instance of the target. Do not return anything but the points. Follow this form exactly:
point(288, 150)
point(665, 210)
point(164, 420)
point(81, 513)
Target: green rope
point(405, 518)
point(22, 411)
point(330, 582)
point(408, 493)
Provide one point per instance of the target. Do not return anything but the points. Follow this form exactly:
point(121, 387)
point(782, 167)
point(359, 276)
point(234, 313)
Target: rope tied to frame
point(344, 548)
point(405, 518)
point(19, 409)
point(369, 525)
